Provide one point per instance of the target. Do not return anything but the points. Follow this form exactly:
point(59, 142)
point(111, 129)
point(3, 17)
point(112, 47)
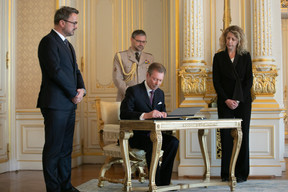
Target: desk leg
point(202, 137)
point(124, 136)
point(156, 138)
point(237, 136)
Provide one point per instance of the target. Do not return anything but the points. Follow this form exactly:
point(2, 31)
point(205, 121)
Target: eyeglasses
point(74, 23)
point(138, 41)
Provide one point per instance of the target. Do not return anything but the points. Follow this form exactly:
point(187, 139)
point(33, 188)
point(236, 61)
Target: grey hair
point(156, 67)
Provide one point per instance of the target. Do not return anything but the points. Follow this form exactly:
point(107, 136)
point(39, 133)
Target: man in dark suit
point(62, 88)
point(138, 104)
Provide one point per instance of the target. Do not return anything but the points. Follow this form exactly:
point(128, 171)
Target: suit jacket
point(60, 74)
point(225, 79)
point(137, 101)
point(128, 58)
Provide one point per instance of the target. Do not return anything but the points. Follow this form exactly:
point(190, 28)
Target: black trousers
point(243, 111)
point(169, 146)
point(56, 156)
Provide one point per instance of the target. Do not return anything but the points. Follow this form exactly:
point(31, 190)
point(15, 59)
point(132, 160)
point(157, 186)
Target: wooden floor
point(32, 181)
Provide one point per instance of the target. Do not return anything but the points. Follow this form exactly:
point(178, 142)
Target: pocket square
point(159, 103)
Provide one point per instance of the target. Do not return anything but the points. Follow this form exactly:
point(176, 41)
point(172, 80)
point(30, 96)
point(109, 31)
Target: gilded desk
point(156, 126)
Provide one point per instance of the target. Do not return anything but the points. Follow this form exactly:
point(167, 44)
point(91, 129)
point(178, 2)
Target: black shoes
point(241, 179)
point(224, 179)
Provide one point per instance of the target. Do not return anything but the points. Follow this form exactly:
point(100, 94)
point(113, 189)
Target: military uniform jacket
point(122, 81)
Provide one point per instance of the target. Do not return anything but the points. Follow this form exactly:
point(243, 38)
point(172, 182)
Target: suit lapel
point(145, 94)
point(228, 63)
point(131, 56)
point(72, 52)
point(236, 59)
point(63, 46)
point(155, 98)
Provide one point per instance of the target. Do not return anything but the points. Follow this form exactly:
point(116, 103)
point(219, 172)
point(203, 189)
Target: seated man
point(138, 104)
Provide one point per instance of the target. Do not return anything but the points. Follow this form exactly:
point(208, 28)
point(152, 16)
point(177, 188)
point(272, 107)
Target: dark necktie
point(137, 56)
point(151, 96)
point(67, 44)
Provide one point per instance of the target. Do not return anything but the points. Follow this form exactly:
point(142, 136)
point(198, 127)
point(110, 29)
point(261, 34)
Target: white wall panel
point(32, 138)
point(262, 141)
point(192, 144)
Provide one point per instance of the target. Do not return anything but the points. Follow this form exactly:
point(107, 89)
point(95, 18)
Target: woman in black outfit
point(233, 79)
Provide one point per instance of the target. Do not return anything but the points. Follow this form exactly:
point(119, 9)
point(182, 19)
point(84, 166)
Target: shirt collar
point(60, 35)
point(148, 89)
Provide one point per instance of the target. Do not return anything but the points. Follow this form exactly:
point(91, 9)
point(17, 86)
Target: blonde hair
point(239, 34)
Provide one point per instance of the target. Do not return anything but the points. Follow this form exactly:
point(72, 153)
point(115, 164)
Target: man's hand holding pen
point(155, 114)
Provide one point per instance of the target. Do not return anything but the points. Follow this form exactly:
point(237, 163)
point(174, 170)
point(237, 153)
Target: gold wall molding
point(264, 69)
point(192, 73)
point(193, 39)
point(284, 4)
point(210, 95)
point(194, 61)
point(263, 60)
point(227, 14)
point(193, 80)
point(264, 79)
point(262, 32)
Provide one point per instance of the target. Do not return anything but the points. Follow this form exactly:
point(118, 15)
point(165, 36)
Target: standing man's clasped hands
point(232, 104)
point(78, 98)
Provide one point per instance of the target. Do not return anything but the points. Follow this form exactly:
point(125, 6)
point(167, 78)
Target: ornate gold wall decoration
point(284, 3)
point(193, 29)
point(218, 145)
point(192, 73)
point(262, 28)
point(100, 86)
point(227, 14)
point(193, 80)
point(210, 94)
point(264, 79)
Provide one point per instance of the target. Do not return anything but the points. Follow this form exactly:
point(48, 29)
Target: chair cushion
point(113, 150)
point(138, 153)
point(111, 132)
point(113, 128)
point(110, 112)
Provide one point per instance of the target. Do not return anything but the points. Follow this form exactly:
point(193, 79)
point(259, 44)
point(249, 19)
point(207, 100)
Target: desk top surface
point(179, 124)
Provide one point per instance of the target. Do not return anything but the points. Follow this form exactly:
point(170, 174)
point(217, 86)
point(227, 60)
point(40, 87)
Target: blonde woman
point(233, 79)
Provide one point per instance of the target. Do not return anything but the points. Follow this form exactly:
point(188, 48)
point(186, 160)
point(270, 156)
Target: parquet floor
point(32, 181)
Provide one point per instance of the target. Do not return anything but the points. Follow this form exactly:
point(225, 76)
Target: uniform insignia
point(146, 62)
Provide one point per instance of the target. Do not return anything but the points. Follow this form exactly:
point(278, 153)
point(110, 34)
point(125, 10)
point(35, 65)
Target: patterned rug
point(249, 186)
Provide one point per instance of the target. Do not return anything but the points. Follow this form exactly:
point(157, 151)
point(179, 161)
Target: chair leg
point(142, 174)
point(106, 167)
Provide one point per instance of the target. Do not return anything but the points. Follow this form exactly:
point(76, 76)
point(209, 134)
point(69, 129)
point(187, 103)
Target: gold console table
point(156, 126)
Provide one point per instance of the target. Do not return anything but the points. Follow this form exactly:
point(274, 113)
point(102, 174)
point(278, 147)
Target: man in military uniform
point(130, 66)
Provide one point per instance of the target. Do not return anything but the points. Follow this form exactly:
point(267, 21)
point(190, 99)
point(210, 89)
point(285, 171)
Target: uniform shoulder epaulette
point(148, 53)
point(122, 51)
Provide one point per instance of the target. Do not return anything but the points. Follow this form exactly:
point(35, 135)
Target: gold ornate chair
point(108, 130)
